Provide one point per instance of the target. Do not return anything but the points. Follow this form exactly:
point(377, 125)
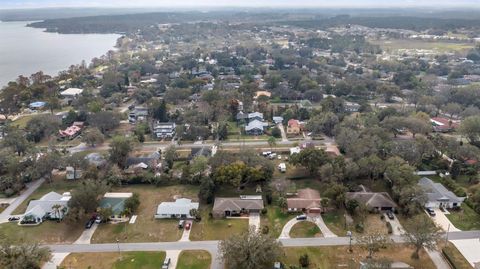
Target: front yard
point(339, 257)
point(275, 219)
point(48, 232)
point(194, 259)
point(216, 229)
point(305, 229)
point(146, 228)
point(466, 219)
point(114, 260)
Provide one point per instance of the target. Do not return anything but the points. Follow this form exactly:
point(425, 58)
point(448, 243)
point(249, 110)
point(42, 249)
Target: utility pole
point(446, 237)
point(349, 234)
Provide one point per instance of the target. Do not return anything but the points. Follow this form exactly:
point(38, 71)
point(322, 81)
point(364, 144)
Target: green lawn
point(275, 219)
point(49, 232)
point(305, 229)
point(455, 257)
point(114, 260)
point(466, 219)
point(216, 229)
point(335, 221)
point(194, 259)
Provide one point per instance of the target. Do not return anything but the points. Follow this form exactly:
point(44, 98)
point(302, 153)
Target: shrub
point(264, 211)
point(304, 261)
point(359, 228)
point(265, 230)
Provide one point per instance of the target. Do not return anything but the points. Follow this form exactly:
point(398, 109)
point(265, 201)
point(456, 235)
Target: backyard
point(114, 260)
point(146, 228)
point(194, 259)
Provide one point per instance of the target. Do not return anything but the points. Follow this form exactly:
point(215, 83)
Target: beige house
point(233, 206)
point(306, 200)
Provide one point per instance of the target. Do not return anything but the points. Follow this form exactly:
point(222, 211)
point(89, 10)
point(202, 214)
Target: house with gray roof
point(51, 206)
point(438, 196)
point(180, 209)
point(372, 200)
point(255, 127)
point(233, 206)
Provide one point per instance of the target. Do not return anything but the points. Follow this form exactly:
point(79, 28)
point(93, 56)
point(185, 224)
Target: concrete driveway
point(31, 187)
point(186, 233)
point(254, 221)
point(317, 220)
point(173, 255)
point(397, 228)
point(87, 235)
point(443, 222)
point(282, 131)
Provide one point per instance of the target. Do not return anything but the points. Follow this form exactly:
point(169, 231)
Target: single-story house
point(444, 125)
point(438, 196)
point(164, 129)
point(255, 116)
point(51, 206)
point(71, 93)
point(116, 201)
point(96, 159)
point(180, 209)
point(307, 200)
point(151, 161)
point(262, 93)
point(138, 114)
point(233, 206)
point(372, 200)
point(332, 150)
point(255, 127)
point(277, 119)
point(72, 131)
point(37, 105)
point(202, 151)
point(352, 107)
point(294, 127)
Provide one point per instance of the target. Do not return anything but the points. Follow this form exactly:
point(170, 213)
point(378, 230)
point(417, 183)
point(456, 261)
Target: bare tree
point(372, 242)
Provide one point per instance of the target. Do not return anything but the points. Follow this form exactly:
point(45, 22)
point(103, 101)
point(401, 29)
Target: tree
point(170, 156)
point(276, 132)
point(304, 261)
point(24, 255)
point(222, 131)
point(324, 123)
point(272, 142)
point(250, 250)
point(311, 159)
point(87, 197)
point(207, 190)
point(93, 137)
point(16, 140)
point(77, 161)
point(418, 126)
point(372, 242)
point(42, 126)
point(421, 232)
point(132, 203)
point(452, 109)
point(470, 128)
point(120, 148)
point(104, 120)
point(46, 163)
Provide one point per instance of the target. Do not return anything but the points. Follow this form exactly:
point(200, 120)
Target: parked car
point(166, 263)
point(98, 219)
point(89, 223)
point(302, 217)
point(266, 153)
point(390, 215)
point(13, 219)
point(181, 223)
point(431, 212)
point(272, 156)
point(187, 226)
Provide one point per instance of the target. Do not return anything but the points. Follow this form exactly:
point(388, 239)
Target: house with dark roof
point(307, 201)
point(438, 196)
point(233, 206)
point(255, 127)
point(373, 200)
point(201, 151)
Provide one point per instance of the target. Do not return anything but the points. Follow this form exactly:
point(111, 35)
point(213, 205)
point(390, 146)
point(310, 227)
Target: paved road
point(437, 259)
point(442, 221)
point(31, 187)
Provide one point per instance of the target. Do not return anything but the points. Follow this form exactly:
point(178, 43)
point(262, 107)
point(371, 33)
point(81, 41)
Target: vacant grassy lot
point(49, 232)
point(146, 228)
point(58, 184)
point(275, 219)
point(339, 257)
point(305, 229)
point(216, 229)
point(438, 46)
point(466, 219)
point(126, 260)
point(194, 259)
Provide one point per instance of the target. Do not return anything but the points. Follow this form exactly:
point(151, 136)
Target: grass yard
point(335, 221)
point(216, 229)
point(455, 257)
point(339, 257)
point(146, 228)
point(305, 229)
point(58, 184)
point(373, 224)
point(466, 219)
point(275, 219)
point(22, 122)
point(194, 259)
point(128, 260)
point(438, 46)
point(49, 232)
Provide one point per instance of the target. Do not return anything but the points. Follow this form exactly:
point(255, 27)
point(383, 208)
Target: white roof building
point(42, 208)
point(71, 92)
point(179, 209)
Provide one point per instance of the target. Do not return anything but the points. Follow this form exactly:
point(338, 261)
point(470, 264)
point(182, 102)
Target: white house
point(51, 206)
point(179, 209)
point(438, 196)
point(71, 93)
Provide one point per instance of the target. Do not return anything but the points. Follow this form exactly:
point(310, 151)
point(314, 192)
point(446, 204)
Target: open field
point(305, 229)
point(339, 257)
point(194, 259)
point(409, 44)
point(466, 219)
point(58, 184)
point(146, 228)
point(49, 232)
point(216, 229)
point(125, 260)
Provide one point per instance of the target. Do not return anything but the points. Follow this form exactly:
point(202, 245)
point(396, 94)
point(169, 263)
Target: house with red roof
point(444, 125)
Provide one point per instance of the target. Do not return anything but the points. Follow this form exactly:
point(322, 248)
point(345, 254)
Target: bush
point(264, 211)
point(389, 228)
point(265, 230)
point(304, 261)
point(359, 228)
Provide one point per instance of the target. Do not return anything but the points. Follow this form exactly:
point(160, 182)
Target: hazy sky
point(212, 3)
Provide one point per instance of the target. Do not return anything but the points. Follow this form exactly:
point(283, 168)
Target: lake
point(25, 50)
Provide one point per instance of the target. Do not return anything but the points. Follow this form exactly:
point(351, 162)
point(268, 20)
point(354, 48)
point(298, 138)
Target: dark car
point(166, 263)
point(431, 212)
point(302, 217)
point(390, 215)
point(13, 219)
point(89, 224)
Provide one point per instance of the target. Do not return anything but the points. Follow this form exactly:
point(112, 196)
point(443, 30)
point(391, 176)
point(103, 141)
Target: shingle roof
point(372, 199)
point(236, 204)
point(180, 206)
point(306, 198)
point(255, 124)
point(437, 192)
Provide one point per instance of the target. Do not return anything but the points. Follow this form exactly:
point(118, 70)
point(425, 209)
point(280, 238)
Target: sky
point(5, 4)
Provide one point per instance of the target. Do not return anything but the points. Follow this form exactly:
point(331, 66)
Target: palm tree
point(56, 210)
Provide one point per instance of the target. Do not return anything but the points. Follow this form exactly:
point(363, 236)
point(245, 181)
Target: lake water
point(25, 50)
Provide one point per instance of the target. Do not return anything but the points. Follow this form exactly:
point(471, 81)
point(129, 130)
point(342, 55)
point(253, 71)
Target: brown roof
point(306, 198)
point(372, 199)
point(223, 204)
